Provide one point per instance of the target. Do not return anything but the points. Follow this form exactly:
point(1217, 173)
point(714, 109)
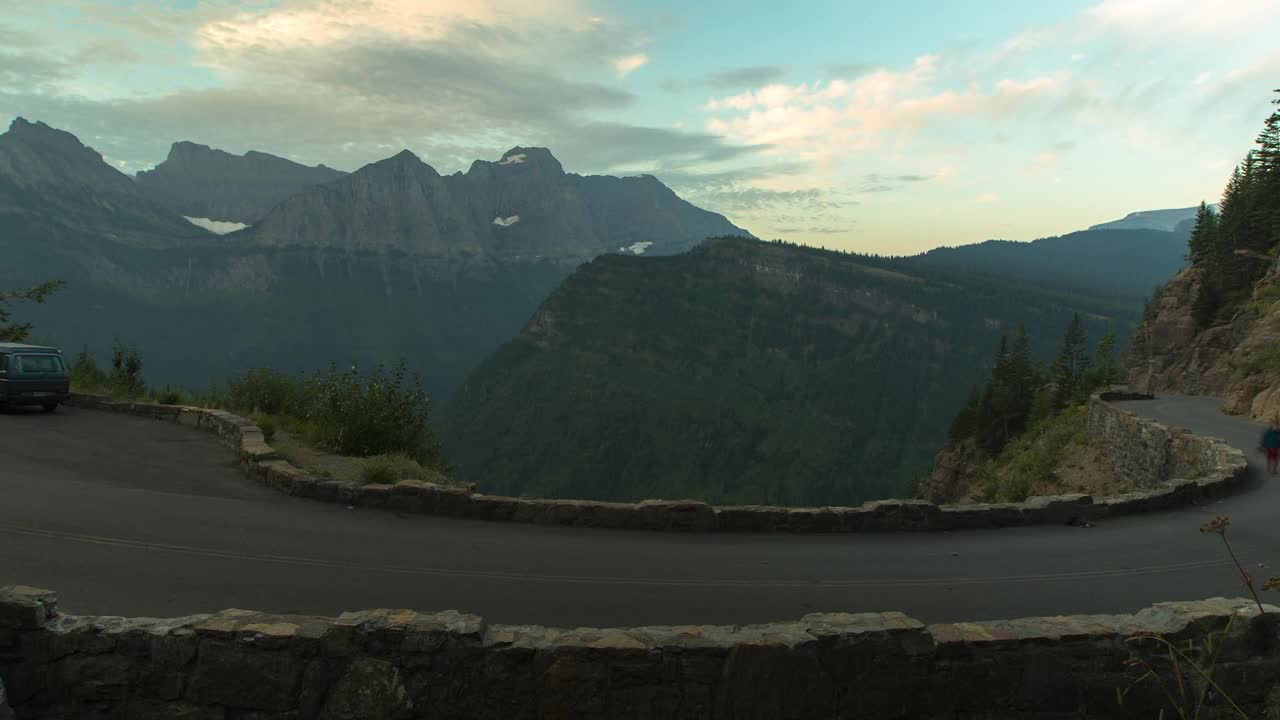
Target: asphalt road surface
point(128, 516)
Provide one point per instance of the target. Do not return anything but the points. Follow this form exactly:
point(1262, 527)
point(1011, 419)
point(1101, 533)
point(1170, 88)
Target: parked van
point(33, 375)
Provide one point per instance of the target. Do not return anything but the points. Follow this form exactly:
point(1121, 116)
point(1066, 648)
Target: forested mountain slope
point(742, 371)
point(1121, 263)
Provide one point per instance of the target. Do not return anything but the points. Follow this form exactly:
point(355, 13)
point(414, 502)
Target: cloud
point(823, 121)
point(628, 64)
point(452, 80)
point(818, 230)
point(987, 198)
point(746, 76)
point(1153, 18)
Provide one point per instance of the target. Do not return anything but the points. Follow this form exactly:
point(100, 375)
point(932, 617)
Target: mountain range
point(650, 361)
point(390, 261)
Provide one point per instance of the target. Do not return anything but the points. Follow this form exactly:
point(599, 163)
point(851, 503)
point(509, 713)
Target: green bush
point(374, 414)
point(86, 376)
point(267, 425)
point(126, 378)
point(348, 412)
point(170, 396)
point(267, 391)
point(389, 469)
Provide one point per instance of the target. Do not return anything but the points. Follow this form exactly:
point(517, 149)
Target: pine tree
point(1107, 370)
point(1269, 145)
point(1072, 364)
point(1201, 236)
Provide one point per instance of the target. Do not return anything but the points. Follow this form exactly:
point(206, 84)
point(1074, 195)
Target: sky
point(887, 127)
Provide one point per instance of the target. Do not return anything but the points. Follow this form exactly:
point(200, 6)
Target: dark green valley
point(744, 372)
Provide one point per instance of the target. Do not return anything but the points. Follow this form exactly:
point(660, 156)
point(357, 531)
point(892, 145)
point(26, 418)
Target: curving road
point(127, 516)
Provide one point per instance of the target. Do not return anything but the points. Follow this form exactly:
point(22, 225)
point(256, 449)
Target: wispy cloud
point(747, 76)
point(628, 64)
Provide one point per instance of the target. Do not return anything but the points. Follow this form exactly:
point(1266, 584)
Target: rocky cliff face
point(51, 182)
point(1238, 361)
point(523, 207)
point(199, 181)
point(955, 467)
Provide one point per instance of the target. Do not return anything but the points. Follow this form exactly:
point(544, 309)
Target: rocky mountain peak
point(33, 154)
point(403, 161)
point(46, 139)
point(538, 157)
point(199, 181)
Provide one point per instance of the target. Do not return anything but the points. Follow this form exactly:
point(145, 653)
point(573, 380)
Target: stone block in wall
point(327, 490)
point(374, 495)
point(902, 515)
point(242, 675)
point(591, 513)
point(751, 518)
point(6, 712)
point(687, 515)
point(348, 493)
point(1058, 509)
point(370, 688)
point(813, 520)
point(981, 516)
point(281, 475)
point(775, 671)
point(407, 631)
point(26, 608)
point(142, 708)
point(444, 500)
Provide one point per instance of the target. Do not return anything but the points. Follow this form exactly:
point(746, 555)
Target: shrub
point(170, 396)
point(267, 425)
point(126, 371)
point(368, 415)
point(388, 469)
point(85, 373)
point(267, 391)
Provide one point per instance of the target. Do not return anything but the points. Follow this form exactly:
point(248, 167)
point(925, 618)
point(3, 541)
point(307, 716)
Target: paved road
point(126, 516)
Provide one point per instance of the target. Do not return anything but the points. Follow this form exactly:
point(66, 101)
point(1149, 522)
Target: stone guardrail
point(1222, 467)
point(400, 663)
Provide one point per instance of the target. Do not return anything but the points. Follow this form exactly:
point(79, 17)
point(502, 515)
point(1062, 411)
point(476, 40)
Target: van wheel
point(50, 407)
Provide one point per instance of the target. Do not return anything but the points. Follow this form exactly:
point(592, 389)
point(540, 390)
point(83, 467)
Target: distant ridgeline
point(746, 371)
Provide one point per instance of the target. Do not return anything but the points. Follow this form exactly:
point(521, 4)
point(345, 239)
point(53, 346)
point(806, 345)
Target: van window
point(34, 364)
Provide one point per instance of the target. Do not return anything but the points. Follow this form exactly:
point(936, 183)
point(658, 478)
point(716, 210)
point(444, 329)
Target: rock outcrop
point(523, 207)
point(1238, 360)
point(955, 467)
point(203, 182)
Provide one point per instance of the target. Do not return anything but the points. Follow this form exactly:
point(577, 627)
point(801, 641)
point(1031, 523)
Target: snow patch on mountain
point(513, 159)
point(216, 226)
point(635, 248)
point(506, 221)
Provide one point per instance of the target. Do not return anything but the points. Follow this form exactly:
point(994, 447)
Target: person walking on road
point(1271, 443)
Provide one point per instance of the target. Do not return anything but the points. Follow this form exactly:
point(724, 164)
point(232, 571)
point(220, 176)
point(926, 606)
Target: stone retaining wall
point(1221, 466)
point(237, 665)
point(1148, 453)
